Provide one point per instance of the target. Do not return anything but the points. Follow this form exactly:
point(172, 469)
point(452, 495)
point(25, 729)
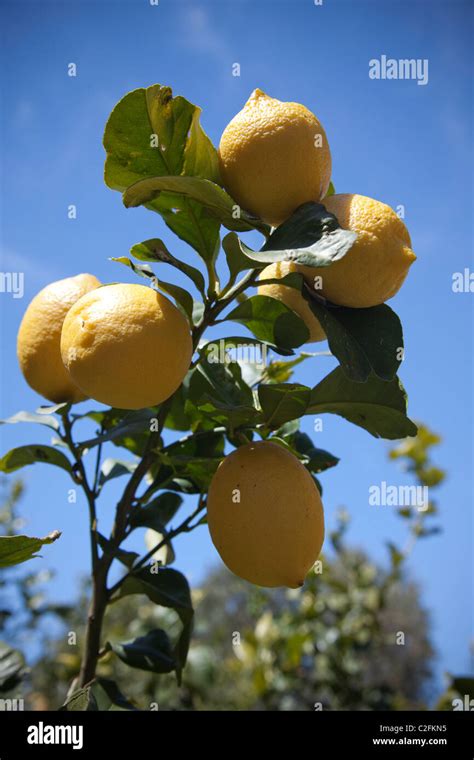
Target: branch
point(184, 527)
point(89, 492)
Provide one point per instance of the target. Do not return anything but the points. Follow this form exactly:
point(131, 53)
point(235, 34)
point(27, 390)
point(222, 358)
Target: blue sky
point(396, 141)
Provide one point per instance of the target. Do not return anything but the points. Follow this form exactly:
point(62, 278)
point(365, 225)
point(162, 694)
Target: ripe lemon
point(374, 268)
point(38, 343)
point(265, 515)
point(273, 157)
point(126, 345)
point(291, 297)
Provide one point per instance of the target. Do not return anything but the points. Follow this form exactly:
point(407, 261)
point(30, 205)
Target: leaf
point(120, 423)
point(142, 270)
point(316, 460)
point(312, 236)
point(156, 250)
point(237, 261)
point(363, 340)
point(220, 382)
point(167, 588)
point(183, 298)
point(463, 685)
point(12, 667)
point(213, 201)
point(281, 371)
point(41, 419)
point(126, 558)
point(331, 191)
point(157, 513)
point(17, 549)
point(377, 406)
point(60, 409)
point(270, 320)
point(184, 152)
point(283, 402)
point(396, 556)
point(165, 554)
point(114, 468)
point(190, 221)
point(22, 456)
point(152, 652)
point(101, 694)
point(183, 147)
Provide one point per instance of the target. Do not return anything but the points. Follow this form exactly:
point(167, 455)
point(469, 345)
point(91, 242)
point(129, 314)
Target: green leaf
point(142, 270)
point(220, 393)
point(126, 558)
point(315, 459)
point(184, 152)
point(237, 261)
point(17, 549)
point(152, 652)
point(463, 685)
point(157, 513)
point(331, 191)
point(101, 694)
point(132, 154)
point(363, 340)
point(221, 382)
point(156, 250)
point(377, 406)
point(183, 298)
point(281, 371)
point(115, 468)
point(396, 556)
point(271, 321)
point(119, 424)
point(25, 455)
point(12, 667)
point(214, 202)
point(283, 402)
point(167, 588)
point(311, 236)
point(41, 419)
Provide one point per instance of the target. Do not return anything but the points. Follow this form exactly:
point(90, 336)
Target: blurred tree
point(355, 637)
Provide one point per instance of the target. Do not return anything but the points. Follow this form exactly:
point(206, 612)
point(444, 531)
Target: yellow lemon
point(39, 336)
point(291, 297)
point(374, 268)
point(273, 157)
point(265, 515)
point(126, 345)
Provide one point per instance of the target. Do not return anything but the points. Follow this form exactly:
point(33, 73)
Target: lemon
point(126, 345)
point(273, 157)
point(38, 343)
point(375, 267)
point(265, 515)
point(291, 297)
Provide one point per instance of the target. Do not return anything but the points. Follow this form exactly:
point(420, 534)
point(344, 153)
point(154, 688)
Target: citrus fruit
point(265, 515)
point(374, 268)
point(273, 157)
point(126, 345)
point(291, 297)
point(38, 343)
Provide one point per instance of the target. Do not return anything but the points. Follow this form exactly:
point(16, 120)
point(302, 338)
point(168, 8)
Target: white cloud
point(201, 33)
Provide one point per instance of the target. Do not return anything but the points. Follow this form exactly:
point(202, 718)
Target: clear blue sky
point(396, 141)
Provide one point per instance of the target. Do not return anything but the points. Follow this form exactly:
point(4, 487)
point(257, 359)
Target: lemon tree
point(186, 416)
